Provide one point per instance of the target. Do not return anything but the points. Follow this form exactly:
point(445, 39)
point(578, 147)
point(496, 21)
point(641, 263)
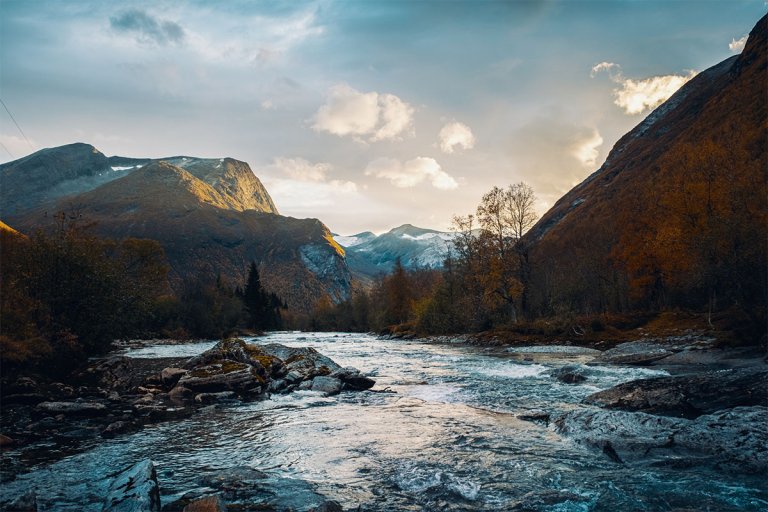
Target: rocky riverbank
point(712, 410)
point(42, 422)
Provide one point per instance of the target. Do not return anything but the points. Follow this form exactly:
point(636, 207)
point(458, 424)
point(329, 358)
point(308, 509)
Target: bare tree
point(519, 209)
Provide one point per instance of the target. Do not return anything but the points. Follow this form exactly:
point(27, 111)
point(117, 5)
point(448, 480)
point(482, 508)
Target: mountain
point(54, 173)
point(6, 229)
point(212, 216)
point(369, 255)
point(676, 215)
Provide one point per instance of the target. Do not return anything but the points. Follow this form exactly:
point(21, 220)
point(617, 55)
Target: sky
point(365, 114)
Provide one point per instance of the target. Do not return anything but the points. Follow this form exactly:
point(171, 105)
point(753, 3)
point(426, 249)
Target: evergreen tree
point(263, 308)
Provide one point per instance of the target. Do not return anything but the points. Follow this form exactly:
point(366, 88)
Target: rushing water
point(448, 439)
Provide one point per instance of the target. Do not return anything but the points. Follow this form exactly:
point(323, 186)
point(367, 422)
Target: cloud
point(585, 150)
point(307, 186)
point(148, 29)
point(456, 134)
point(637, 96)
point(304, 198)
point(737, 45)
point(553, 155)
point(301, 169)
point(370, 115)
point(411, 173)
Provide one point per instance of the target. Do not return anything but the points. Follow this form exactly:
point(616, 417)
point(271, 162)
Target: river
point(447, 439)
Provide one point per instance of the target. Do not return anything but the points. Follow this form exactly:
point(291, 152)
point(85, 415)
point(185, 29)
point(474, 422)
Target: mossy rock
point(226, 366)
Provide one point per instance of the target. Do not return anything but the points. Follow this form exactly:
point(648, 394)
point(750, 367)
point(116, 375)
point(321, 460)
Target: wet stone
point(73, 408)
point(634, 353)
point(328, 385)
point(134, 490)
point(208, 398)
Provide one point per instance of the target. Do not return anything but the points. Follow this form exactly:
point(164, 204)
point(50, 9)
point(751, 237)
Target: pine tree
point(263, 308)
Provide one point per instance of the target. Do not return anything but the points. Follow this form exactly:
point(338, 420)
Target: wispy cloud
point(586, 150)
point(603, 66)
point(365, 116)
point(637, 96)
point(456, 135)
point(148, 29)
point(301, 169)
point(411, 173)
point(305, 185)
point(737, 45)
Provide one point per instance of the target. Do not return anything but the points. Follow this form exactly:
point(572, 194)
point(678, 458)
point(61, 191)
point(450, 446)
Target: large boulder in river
point(251, 369)
point(134, 490)
point(305, 361)
point(736, 439)
point(687, 395)
point(225, 375)
point(634, 353)
point(237, 350)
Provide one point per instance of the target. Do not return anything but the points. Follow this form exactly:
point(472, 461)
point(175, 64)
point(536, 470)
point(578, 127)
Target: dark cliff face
point(212, 217)
point(708, 137)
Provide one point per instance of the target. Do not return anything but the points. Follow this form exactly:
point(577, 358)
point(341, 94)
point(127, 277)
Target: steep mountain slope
point(54, 173)
point(369, 255)
point(677, 213)
point(5, 228)
point(210, 218)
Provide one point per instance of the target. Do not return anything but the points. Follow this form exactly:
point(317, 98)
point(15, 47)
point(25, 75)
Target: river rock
point(687, 395)
point(116, 373)
point(569, 374)
point(620, 435)
point(170, 376)
point(634, 353)
point(134, 490)
point(180, 394)
point(305, 361)
point(736, 439)
point(328, 385)
point(209, 398)
point(353, 379)
point(207, 504)
point(73, 408)
point(226, 375)
point(237, 350)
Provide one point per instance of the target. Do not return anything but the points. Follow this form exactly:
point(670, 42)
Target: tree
point(263, 308)
point(504, 216)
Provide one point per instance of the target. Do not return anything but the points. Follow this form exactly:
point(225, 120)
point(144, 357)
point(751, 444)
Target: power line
point(7, 150)
point(17, 125)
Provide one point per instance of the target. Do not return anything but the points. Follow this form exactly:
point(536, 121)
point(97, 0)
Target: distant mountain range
point(369, 255)
point(212, 216)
